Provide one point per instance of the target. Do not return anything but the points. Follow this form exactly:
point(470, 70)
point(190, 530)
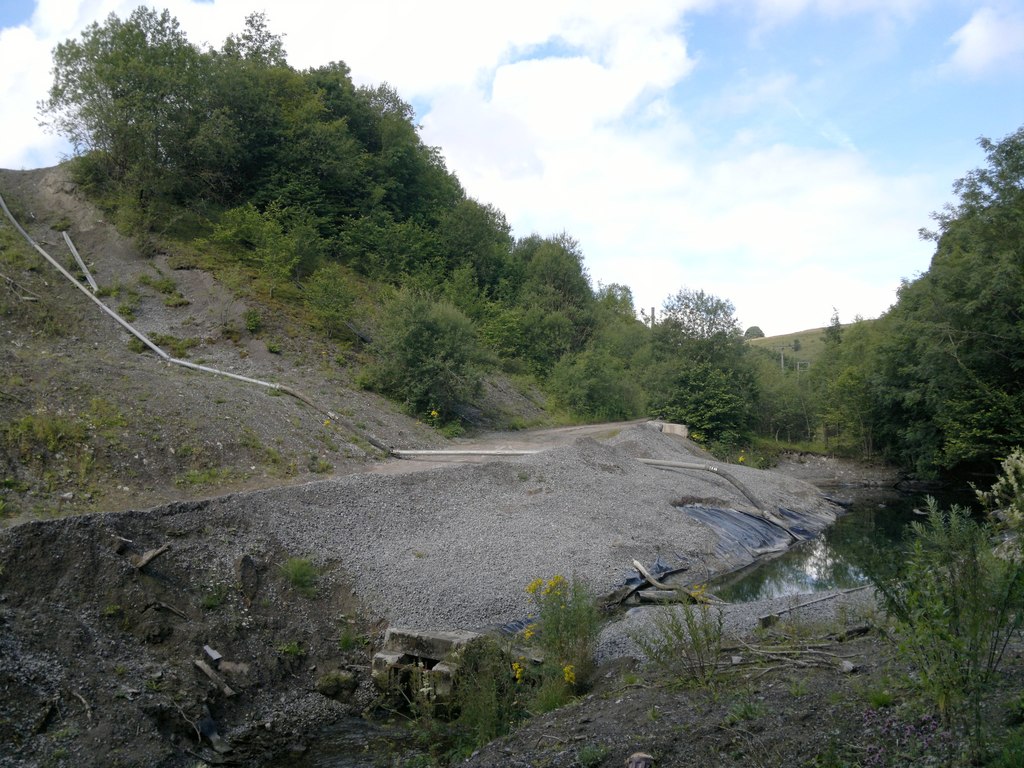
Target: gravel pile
point(454, 547)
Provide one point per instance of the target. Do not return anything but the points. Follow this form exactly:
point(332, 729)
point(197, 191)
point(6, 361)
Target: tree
point(701, 376)
point(952, 357)
point(132, 92)
point(257, 43)
point(699, 315)
point(753, 332)
point(597, 386)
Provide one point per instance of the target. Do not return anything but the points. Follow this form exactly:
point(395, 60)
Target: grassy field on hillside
point(808, 344)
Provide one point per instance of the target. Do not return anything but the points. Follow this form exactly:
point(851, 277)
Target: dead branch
point(171, 608)
point(88, 709)
point(149, 556)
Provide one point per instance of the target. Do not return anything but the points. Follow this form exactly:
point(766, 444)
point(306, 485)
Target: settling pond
point(869, 536)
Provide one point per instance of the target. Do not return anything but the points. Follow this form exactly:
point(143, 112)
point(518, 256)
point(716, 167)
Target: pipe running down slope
point(160, 352)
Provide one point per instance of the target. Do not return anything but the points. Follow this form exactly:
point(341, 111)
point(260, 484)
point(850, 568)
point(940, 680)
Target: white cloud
point(564, 115)
point(24, 79)
point(991, 39)
point(779, 11)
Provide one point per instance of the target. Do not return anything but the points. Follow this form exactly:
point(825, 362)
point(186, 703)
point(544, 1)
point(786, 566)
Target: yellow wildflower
point(555, 585)
point(528, 632)
point(534, 585)
point(327, 422)
point(517, 670)
point(569, 673)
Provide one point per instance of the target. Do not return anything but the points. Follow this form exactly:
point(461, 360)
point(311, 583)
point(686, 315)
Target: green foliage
point(36, 437)
point(955, 607)
point(592, 755)
point(1006, 496)
point(744, 710)
point(565, 626)
point(214, 597)
point(328, 295)
point(686, 642)
point(487, 697)
point(178, 347)
point(253, 321)
point(597, 386)
point(427, 355)
point(701, 375)
point(951, 359)
point(707, 398)
point(292, 648)
point(301, 574)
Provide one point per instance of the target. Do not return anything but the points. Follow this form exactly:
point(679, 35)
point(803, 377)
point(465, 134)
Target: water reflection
point(867, 539)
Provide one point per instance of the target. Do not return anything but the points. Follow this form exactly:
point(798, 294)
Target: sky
point(780, 154)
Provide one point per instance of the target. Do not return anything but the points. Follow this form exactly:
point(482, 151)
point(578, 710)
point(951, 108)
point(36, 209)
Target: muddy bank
point(98, 662)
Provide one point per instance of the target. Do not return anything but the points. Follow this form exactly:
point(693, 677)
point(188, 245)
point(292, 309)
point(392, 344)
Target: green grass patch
point(301, 574)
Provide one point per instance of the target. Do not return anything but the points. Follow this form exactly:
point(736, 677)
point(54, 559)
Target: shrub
point(329, 296)
point(427, 355)
point(565, 626)
point(686, 642)
point(955, 607)
point(253, 321)
point(487, 699)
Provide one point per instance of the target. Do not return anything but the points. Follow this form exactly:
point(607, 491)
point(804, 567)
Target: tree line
point(326, 195)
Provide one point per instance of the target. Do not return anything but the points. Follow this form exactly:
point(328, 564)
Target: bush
point(955, 607)
point(328, 295)
point(427, 356)
point(596, 386)
point(565, 627)
point(686, 643)
point(487, 698)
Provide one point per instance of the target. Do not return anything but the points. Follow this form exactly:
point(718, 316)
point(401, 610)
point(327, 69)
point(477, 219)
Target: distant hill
point(809, 344)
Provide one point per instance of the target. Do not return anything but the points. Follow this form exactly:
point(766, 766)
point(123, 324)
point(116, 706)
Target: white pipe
point(81, 287)
point(81, 264)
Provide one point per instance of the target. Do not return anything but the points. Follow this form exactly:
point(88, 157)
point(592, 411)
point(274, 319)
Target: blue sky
point(781, 154)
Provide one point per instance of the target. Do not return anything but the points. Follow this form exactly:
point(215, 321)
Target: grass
point(292, 648)
point(810, 343)
point(178, 347)
point(207, 476)
point(301, 574)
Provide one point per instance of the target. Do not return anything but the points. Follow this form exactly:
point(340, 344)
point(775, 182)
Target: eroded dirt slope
point(89, 424)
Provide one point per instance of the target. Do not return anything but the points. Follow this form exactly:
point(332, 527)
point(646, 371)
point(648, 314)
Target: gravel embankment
point(453, 547)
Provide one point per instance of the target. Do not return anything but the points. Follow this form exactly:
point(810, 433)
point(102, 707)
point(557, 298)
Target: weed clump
point(301, 574)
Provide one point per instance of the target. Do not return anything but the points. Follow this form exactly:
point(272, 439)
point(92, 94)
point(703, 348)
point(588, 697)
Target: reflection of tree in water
point(864, 542)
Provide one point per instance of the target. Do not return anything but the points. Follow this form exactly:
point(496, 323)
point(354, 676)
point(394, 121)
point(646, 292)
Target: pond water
point(869, 536)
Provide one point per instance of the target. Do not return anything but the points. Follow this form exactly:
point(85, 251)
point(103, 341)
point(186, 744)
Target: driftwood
point(23, 293)
point(623, 594)
point(166, 607)
point(660, 596)
point(768, 620)
point(149, 556)
point(207, 670)
point(647, 575)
